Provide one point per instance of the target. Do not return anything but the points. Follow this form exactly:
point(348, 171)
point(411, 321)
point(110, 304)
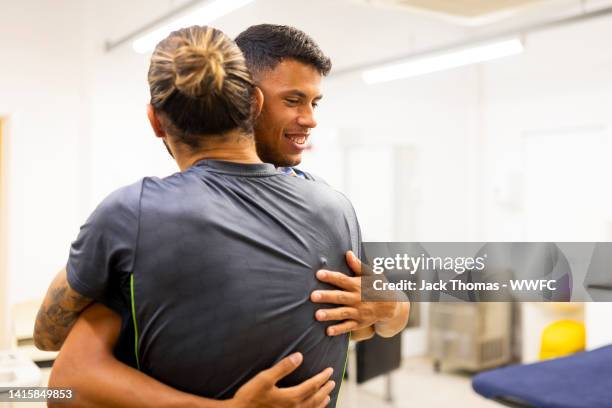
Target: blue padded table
point(582, 380)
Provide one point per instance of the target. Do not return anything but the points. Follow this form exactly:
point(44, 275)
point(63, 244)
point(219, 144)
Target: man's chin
point(293, 161)
point(287, 160)
point(279, 159)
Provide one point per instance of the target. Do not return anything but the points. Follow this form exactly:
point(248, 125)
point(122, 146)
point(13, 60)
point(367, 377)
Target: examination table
point(582, 380)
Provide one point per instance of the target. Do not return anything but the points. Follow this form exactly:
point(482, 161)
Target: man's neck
point(232, 148)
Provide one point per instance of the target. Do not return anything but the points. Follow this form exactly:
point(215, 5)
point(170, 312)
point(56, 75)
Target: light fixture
point(211, 11)
point(441, 61)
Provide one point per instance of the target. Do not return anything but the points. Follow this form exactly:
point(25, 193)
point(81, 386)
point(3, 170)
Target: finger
point(338, 279)
point(283, 367)
point(353, 262)
point(342, 328)
point(325, 402)
point(320, 397)
point(338, 313)
point(310, 387)
point(336, 297)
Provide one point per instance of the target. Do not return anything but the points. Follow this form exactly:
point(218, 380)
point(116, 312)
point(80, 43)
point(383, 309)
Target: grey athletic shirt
point(223, 259)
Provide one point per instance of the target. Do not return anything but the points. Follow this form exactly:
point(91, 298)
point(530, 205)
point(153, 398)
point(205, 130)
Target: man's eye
point(292, 101)
point(314, 105)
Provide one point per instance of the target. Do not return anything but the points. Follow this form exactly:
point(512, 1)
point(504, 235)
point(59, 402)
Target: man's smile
point(298, 138)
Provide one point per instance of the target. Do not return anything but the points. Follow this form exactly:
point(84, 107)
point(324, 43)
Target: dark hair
point(199, 79)
point(266, 45)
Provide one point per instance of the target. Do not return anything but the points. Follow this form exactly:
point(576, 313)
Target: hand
point(354, 313)
point(363, 334)
point(262, 392)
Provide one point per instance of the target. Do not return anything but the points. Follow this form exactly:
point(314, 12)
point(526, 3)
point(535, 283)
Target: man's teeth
point(298, 139)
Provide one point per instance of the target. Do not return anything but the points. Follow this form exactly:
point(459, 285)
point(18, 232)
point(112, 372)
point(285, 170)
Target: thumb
point(353, 262)
point(284, 367)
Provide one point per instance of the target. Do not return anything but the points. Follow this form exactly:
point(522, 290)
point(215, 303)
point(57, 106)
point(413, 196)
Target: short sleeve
point(355, 229)
point(103, 254)
point(353, 223)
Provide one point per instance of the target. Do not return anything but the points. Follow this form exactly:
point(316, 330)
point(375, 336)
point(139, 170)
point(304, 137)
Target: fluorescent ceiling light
point(442, 61)
point(211, 11)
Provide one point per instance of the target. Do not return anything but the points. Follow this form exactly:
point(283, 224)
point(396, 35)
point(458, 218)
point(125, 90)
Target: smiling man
point(288, 68)
point(283, 133)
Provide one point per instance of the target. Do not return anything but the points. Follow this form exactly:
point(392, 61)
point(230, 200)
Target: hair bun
point(199, 70)
point(198, 78)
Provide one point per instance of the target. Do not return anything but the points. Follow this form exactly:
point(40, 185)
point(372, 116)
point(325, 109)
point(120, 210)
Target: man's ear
point(155, 123)
point(258, 101)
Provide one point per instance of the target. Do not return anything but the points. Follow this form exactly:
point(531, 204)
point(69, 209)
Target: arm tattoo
point(57, 314)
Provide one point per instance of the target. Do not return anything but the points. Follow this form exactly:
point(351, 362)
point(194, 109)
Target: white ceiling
point(464, 12)
point(468, 8)
point(351, 32)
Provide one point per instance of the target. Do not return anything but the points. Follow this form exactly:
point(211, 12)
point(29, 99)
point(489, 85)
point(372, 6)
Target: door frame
point(5, 327)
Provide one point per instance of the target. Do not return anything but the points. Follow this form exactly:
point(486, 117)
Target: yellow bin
point(561, 338)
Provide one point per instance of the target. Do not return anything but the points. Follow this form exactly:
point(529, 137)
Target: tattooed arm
point(58, 313)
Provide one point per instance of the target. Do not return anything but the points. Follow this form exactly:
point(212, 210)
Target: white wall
point(40, 93)
point(560, 85)
point(597, 320)
point(559, 91)
point(429, 116)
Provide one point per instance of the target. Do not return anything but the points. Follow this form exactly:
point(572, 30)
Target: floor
point(415, 384)
point(45, 372)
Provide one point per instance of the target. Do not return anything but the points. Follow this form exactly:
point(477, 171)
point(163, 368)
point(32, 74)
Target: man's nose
point(307, 119)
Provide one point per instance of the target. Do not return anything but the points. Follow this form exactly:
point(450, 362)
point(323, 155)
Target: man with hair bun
point(200, 86)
